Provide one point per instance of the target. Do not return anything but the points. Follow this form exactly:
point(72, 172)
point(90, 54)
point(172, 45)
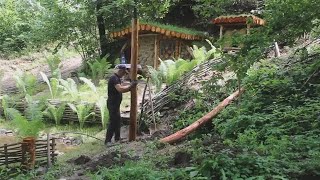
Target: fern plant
point(55, 112)
point(89, 83)
point(25, 127)
point(169, 71)
point(53, 85)
point(69, 86)
point(34, 109)
point(102, 105)
point(26, 83)
point(54, 63)
point(98, 69)
point(6, 103)
point(83, 112)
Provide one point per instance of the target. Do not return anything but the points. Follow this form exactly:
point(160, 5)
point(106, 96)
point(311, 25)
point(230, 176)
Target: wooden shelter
point(158, 41)
point(241, 24)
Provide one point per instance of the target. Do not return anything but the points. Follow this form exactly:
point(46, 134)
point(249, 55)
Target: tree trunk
point(102, 30)
point(194, 126)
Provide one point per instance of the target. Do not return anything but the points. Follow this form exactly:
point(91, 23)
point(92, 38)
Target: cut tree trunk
point(194, 126)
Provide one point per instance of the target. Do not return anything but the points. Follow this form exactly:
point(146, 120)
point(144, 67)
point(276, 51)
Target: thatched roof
point(167, 30)
point(238, 19)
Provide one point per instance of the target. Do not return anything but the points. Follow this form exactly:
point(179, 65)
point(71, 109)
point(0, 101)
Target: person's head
point(122, 70)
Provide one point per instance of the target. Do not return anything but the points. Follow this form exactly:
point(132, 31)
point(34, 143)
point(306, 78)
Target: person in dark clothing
point(115, 90)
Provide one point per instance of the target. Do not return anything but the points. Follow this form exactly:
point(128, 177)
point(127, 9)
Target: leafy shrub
point(55, 113)
point(83, 112)
point(102, 105)
point(26, 83)
point(53, 62)
point(70, 87)
point(99, 68)
point(169, 71)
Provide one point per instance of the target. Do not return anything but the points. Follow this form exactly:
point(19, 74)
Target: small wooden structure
point(241, 24)
point(158, 41)
point(28, 153)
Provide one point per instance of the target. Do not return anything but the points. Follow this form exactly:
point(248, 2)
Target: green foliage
point(170, 71)
point(53, 85)
point(290, 19)
point(83, 112)
point(26, 83)
point(70, 87)
point(6, 103)
point(102, 105)
point(53, 63)
point(98, 69)
point(145, 170)
point(55, 112)
point(24, 126)
point(34, 109)
point(276, 119)
point(89, 84)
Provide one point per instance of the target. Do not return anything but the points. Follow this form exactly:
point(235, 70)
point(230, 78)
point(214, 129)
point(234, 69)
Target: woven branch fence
point(28, 153)
point(162, 99)
point(69, 116)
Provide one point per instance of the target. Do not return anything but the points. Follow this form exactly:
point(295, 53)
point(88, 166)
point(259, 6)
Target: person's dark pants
point(114, 122)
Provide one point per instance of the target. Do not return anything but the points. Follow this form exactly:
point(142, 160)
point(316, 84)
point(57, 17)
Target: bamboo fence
point(28, 153)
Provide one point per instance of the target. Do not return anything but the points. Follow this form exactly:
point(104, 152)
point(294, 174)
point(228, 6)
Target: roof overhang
point(145, 28)
point(239, 20)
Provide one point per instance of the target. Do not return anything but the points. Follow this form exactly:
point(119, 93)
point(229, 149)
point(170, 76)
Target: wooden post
point(276, 49)
point(31, 150)
point(134, 60)
point(53, 149)
point(248, 28)
point(6, 155)
point(23, 155)
point(221, 31)
point(156, 55)
point(48, 151)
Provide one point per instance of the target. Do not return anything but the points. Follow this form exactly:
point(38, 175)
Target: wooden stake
point(6, 155)
point(151, 103)
point(134, 60)
point(48, 151)
point(53, 149)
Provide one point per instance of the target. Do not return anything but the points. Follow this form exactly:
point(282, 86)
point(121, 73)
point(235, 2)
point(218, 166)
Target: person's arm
point(124, 89)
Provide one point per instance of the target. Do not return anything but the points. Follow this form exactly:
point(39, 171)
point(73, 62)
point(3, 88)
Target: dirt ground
point(33, 64)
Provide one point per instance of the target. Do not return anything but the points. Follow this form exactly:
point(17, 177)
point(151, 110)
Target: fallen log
point(194, 126)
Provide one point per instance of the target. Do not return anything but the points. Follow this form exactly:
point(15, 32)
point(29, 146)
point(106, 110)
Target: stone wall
point(146, 51)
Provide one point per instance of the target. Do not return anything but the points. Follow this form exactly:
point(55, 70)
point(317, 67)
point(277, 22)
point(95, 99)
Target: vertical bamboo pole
point(134, 60)
point(48, 151)
point(6, 155)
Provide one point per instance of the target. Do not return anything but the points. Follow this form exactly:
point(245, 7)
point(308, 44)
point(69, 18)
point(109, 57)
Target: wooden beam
point(156, 55)
point(134, 60)
point(208, 117)
point(221, 31)
point(248, 28)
